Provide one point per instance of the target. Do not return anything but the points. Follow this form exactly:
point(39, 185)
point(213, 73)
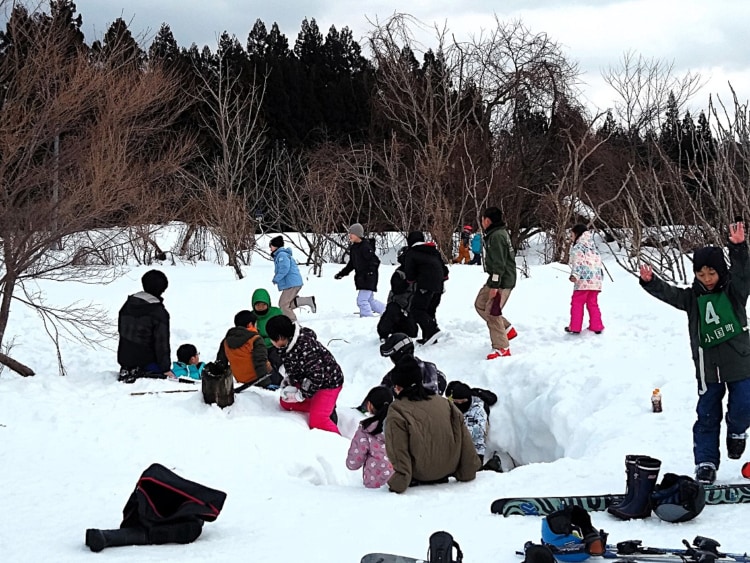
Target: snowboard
point(389, 558)
point(542, 506)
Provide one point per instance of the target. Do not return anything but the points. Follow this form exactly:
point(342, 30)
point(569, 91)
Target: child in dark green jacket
point(720, 345)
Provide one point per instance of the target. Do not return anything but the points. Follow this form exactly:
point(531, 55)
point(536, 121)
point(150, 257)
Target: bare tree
point(228, 184)
point(313, 198)
point(114, 155)
point(429, 111)
point(643, 86)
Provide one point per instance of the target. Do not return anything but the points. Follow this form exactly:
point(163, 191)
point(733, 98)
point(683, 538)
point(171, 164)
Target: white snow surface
point(570, 408)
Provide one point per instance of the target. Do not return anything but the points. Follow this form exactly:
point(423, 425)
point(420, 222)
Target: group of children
point(265, 346)
point(368, 446)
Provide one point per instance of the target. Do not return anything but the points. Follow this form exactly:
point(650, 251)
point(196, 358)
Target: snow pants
point(589, 298)
point(707, 427)
point(320, 406)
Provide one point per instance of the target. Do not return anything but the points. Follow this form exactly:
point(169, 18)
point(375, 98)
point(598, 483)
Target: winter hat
point(396, 346)
point(406, 373)
point(494, 215)
point(711, 256)
point(579, 229)
point(414, 237)
point(277, 242)
point(357, 230)
point(460, 394)
point(468, 228)
point(154, 282)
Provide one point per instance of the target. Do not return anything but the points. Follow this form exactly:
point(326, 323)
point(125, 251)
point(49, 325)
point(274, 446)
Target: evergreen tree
point(669, 136)
point(119, 47)
point(164, 48)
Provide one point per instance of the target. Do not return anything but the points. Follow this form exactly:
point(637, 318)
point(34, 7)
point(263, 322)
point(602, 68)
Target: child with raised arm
point(720, 345)
point(367, 450)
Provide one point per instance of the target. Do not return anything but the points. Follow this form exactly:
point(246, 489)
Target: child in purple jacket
point(368, 444)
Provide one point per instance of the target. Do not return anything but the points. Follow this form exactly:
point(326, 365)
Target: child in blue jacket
point(188, 367)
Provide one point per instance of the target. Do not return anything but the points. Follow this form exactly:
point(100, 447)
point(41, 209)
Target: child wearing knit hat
point(720, 345)
point(365, 264)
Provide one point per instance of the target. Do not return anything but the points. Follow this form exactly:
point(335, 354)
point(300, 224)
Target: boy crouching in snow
point(245, 352)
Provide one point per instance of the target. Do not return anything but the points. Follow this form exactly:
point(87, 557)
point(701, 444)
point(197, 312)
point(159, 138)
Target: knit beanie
point(357, 230)
point(461, 395)
point(711, 256)
point(414, 237)
point(277, 242)
point(154, 282)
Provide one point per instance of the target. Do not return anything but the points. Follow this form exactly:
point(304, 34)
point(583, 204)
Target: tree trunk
point(16, 366)
point(186, 240)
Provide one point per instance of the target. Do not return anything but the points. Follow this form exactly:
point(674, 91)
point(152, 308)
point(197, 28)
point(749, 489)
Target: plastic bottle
point(656, 400)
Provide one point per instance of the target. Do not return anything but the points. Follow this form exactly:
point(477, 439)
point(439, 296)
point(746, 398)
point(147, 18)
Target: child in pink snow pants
point(587, 275)
point(313, 378)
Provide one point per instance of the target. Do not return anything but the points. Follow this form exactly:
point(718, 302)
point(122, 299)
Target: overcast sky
point(710, 37)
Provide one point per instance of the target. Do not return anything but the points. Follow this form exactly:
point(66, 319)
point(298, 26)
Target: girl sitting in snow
point(586, 274)
point(367, 449)
point(313, 377)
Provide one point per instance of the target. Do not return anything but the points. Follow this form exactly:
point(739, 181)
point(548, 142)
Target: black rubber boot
point(629, 477)
point(644, 481)
point(96, 540)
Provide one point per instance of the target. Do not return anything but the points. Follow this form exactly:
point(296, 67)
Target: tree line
point(310, 136)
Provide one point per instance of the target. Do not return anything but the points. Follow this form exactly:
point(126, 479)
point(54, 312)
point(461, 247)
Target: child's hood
point(283, 250)
point(261, 295)
point(238, 336)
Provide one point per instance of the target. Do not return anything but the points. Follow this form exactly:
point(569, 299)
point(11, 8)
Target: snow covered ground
point(570, 408)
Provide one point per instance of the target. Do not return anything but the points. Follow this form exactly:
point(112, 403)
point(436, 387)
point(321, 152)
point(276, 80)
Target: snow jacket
point(309, 365)
point(143, 325)
point(427, 441)
point(499, 258)
point(193, 371)
point(476, 422)
point(476, 243)
point(432, 378)
point(401, 291)
point(586, 263)
point(246, 354)
point(424, 267)
point(365, 263)
point(367, 451)
point(729, 360)
point(285, 270)
point(262, 296)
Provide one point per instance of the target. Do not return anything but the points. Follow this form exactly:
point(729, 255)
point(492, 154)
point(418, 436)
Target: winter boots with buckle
point(642, 472)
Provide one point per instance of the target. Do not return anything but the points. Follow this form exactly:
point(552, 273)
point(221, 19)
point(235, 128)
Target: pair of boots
point(642, 472)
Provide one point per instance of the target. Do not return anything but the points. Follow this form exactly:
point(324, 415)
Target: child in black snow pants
point(720, 344)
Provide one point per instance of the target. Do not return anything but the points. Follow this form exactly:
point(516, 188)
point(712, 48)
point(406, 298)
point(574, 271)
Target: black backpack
point(441, 549)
